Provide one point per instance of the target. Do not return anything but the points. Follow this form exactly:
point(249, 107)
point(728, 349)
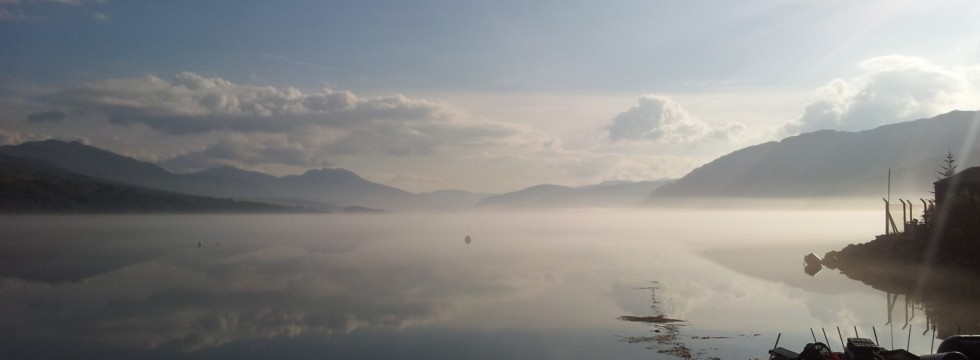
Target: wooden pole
point(889, 222)
point(925, 207)
point(905, 221)
point(887, 216)
point(842, 346)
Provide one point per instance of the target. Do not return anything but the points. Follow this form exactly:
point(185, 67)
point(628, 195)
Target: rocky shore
point(908, 264)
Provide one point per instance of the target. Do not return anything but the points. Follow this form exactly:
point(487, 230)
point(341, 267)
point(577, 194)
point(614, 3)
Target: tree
point(949, 166)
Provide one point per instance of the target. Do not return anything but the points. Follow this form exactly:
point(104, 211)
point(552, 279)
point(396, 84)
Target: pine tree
point(949, 166)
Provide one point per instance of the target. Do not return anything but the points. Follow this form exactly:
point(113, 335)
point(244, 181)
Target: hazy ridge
point(31, 186)
point(609, 194)
point(836, 163)
point(327, 188)
point(823, 164)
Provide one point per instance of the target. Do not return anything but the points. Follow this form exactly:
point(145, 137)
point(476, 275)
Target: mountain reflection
point(363, 287)
point(200, 301)
point(194, 298)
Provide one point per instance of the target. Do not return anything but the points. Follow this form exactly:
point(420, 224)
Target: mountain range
point(32, 186)
point(822, 164)
point(319, 189)
point(612, 194)
point(322, 188)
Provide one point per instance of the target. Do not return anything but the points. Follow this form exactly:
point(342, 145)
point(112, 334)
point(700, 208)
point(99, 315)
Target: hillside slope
point(32, 186)
point(837, 164)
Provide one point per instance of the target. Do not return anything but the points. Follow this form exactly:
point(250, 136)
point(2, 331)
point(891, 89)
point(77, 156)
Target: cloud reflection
point(194, 299)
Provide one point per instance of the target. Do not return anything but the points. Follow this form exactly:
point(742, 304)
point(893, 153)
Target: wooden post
point(911, 217)
point(887, 216)
point(925, 207)
point(889, 222)
point(904, 221)
point(888, 199)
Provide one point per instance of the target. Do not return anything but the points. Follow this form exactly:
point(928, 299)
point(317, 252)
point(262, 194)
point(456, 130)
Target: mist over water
point(485, 285)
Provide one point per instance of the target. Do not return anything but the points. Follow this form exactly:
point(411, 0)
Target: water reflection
point(191, 300)
point(946, 299)
point(354, 286)
point(812, 269)
point(812, 264)
point(144, 293)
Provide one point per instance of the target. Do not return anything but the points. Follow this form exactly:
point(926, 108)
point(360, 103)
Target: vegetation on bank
point(947, 235)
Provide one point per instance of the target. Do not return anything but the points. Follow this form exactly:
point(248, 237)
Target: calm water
point(527, 286)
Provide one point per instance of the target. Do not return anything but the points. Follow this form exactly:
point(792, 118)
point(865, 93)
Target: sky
point(484, 96)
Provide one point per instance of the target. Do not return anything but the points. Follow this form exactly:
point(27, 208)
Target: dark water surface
point(526, 286)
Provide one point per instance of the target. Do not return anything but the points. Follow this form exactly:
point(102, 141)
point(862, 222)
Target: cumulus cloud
point(891, 89)
point(249, 152)
point(660, 119)
point(290, 123)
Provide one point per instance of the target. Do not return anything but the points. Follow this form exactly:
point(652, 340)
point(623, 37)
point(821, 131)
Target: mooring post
point(889, 222)
point(911, 217)
point(925, 207)
point(886, 215)
point(904, 220)
point(842, 346)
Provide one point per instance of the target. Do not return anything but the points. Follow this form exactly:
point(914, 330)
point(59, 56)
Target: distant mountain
point(231, 173)
point(297, 203)
point(607, 194)
point(531, 196)
point(343, 187)
point(33, 186)
point(328, 188)
point(453, 199)
point(838, 164)
point(88, 160)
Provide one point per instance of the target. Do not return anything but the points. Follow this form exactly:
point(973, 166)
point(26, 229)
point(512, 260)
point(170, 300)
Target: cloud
point(891, 89)
point(9, 11)
point(8, 137)
point(659, 119)
point(61, 2)
point(191, 122)
point(13, 15)
point(249, 152)
point(46, 116)
point(324, 122)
